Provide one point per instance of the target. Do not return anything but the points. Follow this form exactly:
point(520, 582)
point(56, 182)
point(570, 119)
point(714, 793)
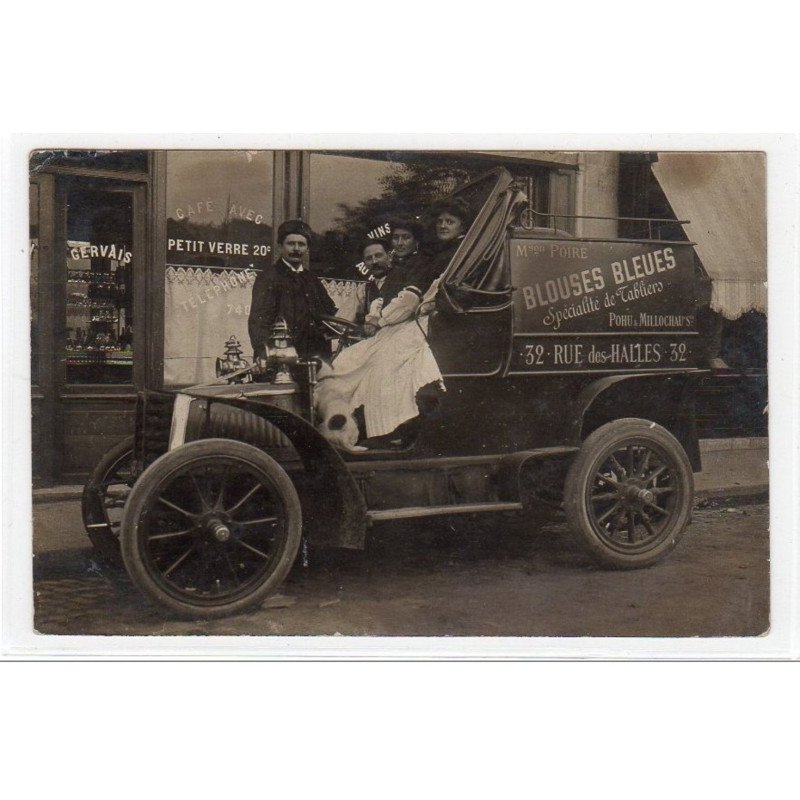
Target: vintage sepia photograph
point(410, 394)
point(407, 393)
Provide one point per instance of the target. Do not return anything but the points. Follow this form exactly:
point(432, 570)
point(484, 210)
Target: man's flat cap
point(293, 226)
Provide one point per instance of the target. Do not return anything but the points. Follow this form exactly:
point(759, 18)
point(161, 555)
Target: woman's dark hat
point(294, 226)
point(455, 206)
point(408, 224)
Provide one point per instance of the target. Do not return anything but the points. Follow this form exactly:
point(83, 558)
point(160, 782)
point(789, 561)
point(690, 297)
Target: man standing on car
point(288, 291)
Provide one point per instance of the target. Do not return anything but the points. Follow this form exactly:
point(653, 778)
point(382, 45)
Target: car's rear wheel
point(104, 497)
point(211, 528)
point(628, 493)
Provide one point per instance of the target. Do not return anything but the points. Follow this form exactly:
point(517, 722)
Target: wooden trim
point(156, 273)
point(293, 180)
point(58, 325)
point(45, 386)
point(278, 195)
point(89, 172)
point(305, 184)
point(142, 338)
point(68, 399)
point(60, 396)
point(97, 391)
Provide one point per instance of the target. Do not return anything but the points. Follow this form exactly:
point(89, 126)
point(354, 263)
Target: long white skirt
point(382, 373)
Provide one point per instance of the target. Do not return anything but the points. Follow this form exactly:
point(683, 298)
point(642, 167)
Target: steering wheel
point(342, 328)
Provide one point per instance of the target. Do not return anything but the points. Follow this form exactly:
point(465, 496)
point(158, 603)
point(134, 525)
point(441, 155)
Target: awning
point(724, 197)
point(554, 158)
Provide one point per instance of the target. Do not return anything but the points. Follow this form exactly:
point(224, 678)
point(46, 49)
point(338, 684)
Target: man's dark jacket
point(297, 298)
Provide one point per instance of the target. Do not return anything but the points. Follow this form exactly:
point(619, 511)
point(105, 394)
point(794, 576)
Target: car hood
point(240, 390)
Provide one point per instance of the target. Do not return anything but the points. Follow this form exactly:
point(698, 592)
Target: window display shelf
point(117, 358)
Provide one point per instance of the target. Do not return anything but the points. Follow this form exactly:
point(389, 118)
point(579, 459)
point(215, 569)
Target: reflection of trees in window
point(409, 189)
point(219, 197)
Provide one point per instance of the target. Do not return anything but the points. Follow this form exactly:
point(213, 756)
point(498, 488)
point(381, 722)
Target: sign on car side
point(598, 306)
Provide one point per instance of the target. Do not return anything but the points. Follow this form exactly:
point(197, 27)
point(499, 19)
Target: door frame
point(42, 394)
point(51, 391)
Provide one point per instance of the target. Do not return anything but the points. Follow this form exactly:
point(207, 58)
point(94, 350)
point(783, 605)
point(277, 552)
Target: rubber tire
point(105, 542)
point(583, 469)
point(139, 501)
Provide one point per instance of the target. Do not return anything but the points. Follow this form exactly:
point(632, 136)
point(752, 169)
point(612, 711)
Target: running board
point(433, 511)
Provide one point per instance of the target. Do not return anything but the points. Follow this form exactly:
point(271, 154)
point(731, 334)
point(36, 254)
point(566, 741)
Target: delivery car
point(569, 365)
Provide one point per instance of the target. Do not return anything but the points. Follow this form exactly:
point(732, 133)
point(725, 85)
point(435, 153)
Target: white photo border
point(783, 210)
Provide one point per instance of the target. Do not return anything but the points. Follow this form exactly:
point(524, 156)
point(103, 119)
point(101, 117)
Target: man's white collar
point(291, 266)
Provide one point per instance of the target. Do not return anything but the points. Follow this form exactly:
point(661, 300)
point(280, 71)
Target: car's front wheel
point(628, 494)
point(211, 528)
point(104, 497)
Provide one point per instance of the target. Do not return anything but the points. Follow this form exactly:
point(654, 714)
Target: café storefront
point(142, 263)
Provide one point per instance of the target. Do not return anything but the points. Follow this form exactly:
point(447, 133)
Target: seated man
point(375, 254)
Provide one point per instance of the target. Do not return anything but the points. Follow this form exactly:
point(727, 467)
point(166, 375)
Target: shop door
point(91, 323)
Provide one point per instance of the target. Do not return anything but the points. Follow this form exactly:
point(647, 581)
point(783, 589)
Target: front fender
point(665, 399)
point(334, 510)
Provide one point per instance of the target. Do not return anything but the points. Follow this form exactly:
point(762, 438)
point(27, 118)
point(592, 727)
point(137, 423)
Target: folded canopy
point(724, 196)
point(477, 274)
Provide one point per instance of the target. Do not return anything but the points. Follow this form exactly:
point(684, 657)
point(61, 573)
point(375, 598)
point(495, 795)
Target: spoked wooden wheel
point(211, 528)
point(104, 497)
point(628, 494)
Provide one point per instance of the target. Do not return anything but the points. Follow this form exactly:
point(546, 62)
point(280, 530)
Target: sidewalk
point(731, 468)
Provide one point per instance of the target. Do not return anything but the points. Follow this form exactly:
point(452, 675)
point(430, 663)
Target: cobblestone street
point(490, 577)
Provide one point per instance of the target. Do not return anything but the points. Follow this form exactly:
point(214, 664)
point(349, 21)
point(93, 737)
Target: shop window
point(99, 287)
point(219, 236)
point(353, 196)
point(561, 199)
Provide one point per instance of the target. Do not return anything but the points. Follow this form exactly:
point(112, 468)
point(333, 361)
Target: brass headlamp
point(232, 361)
point(280, 352)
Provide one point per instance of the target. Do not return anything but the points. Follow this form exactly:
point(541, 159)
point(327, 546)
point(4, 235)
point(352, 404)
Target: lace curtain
point(204, 307)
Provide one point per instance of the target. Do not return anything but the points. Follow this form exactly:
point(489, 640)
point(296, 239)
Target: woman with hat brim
point(408, 279)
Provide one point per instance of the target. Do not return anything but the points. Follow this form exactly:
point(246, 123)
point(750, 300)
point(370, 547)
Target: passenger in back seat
point(451, 221)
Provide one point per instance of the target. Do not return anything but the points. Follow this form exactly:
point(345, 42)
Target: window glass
point(99, 286)
point(219, 236)
point(353, 196)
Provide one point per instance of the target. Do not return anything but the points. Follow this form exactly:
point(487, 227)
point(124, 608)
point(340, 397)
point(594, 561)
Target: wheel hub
point(220, 531)
point(633, 494)
point(215, 526)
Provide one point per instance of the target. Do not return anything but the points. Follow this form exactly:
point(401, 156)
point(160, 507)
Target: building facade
point(142, 262)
